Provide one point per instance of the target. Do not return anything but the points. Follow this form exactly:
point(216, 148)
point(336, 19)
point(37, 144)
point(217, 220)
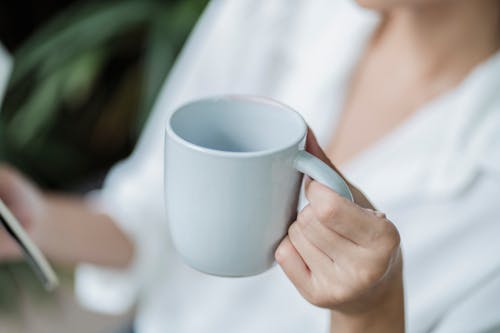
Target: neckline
point(413, 119)
point(430, 107)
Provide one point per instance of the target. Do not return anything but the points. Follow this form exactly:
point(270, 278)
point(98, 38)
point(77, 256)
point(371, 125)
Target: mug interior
point(238, 124)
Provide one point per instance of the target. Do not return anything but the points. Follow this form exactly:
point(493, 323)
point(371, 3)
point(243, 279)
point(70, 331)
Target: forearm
point(73, 233)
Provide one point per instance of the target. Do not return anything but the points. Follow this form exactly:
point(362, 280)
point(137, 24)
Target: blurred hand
point(25, 201)
point(340, 255)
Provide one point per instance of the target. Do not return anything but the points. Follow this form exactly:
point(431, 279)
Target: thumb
point(313, 147)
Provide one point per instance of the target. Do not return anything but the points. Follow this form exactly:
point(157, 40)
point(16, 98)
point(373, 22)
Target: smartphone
point(32, 253)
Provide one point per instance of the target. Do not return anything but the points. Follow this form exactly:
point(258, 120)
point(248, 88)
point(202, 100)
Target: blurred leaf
point(158, 58)
point(9, 289)
point(37, 112)
point(168, 31)
point(81, 74)
point(57, 162)
point(3, 150)
point(81, 88)
point(78, 30)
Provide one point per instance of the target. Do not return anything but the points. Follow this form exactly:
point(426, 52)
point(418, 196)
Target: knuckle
point(293, 232)
point(292, 228)
point(394, 233)
point(328, 208)
point(368, 275)
point(392, 238)
point(283, 250)
point(318, 297)
point(306, 218)
point(327, 211)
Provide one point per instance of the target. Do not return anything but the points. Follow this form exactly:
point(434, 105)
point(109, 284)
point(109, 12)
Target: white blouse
point(437, 176)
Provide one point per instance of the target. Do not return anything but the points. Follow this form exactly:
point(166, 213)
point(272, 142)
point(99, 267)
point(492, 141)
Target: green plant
point(80, 91)
point(60, 114)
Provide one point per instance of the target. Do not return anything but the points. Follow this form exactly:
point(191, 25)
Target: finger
point(343, 216)
point(317, 262)
point(313, 147)
point(292, 264)
point(332, 244)
point(8, 248)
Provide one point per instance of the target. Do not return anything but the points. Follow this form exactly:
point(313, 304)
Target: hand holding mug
point(346, 258)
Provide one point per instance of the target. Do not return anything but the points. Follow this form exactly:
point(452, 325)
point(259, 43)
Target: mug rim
point(247, 98)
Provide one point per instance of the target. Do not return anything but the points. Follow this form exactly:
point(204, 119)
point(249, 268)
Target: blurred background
point(85, 76)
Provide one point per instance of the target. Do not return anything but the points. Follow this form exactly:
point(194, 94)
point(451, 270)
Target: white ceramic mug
point(233, 169)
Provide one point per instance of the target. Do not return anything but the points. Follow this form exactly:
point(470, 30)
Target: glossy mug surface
point(233, 169)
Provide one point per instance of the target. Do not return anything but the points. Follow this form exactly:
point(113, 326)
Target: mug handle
point(318, 170)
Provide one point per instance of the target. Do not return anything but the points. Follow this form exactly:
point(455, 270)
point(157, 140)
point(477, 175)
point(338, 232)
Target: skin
point(66, 229)
point(345, 257)
point(422, 49)
point(340, 255)
point(428, 47)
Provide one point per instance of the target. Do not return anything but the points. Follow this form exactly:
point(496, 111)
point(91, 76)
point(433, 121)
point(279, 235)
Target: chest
point(374, 106)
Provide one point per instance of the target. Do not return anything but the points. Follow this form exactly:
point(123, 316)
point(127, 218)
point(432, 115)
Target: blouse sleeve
point(141, 217)
point(226, 36)
point(132, 194)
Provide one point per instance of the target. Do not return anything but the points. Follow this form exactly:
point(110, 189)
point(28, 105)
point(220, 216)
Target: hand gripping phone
point(32, 253)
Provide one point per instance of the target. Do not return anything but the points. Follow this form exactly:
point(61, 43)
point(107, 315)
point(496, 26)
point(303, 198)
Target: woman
point(404, 102)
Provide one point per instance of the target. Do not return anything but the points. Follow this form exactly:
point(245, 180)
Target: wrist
point(71, 233)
